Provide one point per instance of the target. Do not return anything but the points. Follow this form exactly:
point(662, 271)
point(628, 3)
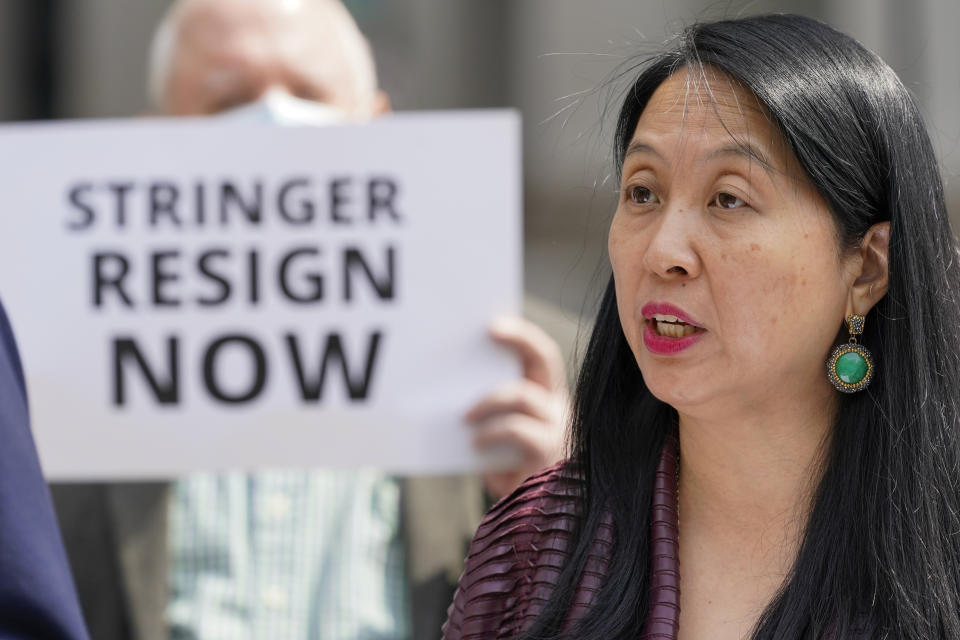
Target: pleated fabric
point(663, 616)
point(523, 543)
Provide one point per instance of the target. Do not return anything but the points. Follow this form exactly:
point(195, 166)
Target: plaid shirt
point(287, 555)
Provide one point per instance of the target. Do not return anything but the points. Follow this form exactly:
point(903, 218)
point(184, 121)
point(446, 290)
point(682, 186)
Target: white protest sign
point(192, 295)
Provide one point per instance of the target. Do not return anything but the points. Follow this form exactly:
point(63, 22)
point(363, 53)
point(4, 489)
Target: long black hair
point(881, 548)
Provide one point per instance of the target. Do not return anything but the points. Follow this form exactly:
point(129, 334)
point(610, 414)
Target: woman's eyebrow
point(741, 150)
point(641, 147)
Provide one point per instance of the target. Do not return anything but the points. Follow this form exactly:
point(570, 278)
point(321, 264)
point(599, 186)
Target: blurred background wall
point(550, 59)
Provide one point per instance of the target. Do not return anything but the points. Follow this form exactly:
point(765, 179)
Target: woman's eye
point(728, 201)
point(641, 195)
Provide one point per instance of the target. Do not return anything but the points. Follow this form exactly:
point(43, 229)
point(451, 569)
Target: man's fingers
point(539, 353)
point(521, 396)
point(525, 437)
point(520, 431)
point(526, 416)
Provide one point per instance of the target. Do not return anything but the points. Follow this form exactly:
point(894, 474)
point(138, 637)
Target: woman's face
point(717, 227)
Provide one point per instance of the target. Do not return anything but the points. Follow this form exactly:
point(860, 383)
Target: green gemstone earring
point(850, 366)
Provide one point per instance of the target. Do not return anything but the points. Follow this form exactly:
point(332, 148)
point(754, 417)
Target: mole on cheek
point(782, 286)
point(754, 246)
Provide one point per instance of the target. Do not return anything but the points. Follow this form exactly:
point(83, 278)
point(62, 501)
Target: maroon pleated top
point(522, 545)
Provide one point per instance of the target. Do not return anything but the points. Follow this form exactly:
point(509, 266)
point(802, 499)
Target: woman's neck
point(750, 471)
point(745, 484)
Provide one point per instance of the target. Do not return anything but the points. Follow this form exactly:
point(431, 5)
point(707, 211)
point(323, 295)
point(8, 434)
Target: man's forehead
point(218, 23)
point(240, 36)
point(235, 49)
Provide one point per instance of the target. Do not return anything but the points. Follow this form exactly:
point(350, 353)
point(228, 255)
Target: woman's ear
point(874, 277)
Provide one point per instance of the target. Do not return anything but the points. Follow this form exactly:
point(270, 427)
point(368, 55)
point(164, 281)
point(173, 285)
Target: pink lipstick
point(668, 329)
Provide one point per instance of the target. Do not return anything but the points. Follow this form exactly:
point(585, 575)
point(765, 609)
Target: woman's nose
point(670, 254)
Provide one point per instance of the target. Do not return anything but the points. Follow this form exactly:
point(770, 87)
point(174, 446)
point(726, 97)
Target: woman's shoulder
point(551, 493)
point(516, 556)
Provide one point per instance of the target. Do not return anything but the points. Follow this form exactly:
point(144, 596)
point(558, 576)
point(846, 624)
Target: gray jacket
point(116, 540)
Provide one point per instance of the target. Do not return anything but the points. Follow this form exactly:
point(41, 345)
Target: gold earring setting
point(850, 366)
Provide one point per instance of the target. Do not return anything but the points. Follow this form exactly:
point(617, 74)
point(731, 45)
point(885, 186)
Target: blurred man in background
point(294, 554)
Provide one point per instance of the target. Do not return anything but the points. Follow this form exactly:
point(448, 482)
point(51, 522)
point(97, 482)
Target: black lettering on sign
point(87, 213)
point(339, 200)
point(381, 193)
point(304, 206)
point(120, 191)
point(199, 200)
point(214, 387)
point(164, 391)
point(311, 386)
point(205, 268)
point(160, 276)
point(352, 258)
point(314, 290)
point(253, 271)
point(252, 208)
point(163, 202)
point(103, 280)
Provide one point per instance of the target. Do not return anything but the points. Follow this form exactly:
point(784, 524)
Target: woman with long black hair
point(780, 207)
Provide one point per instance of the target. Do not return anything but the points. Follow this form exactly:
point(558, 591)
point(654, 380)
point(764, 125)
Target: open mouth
point(671, 326)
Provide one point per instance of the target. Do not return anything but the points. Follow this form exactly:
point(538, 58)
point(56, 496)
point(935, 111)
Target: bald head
point(212, 55)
